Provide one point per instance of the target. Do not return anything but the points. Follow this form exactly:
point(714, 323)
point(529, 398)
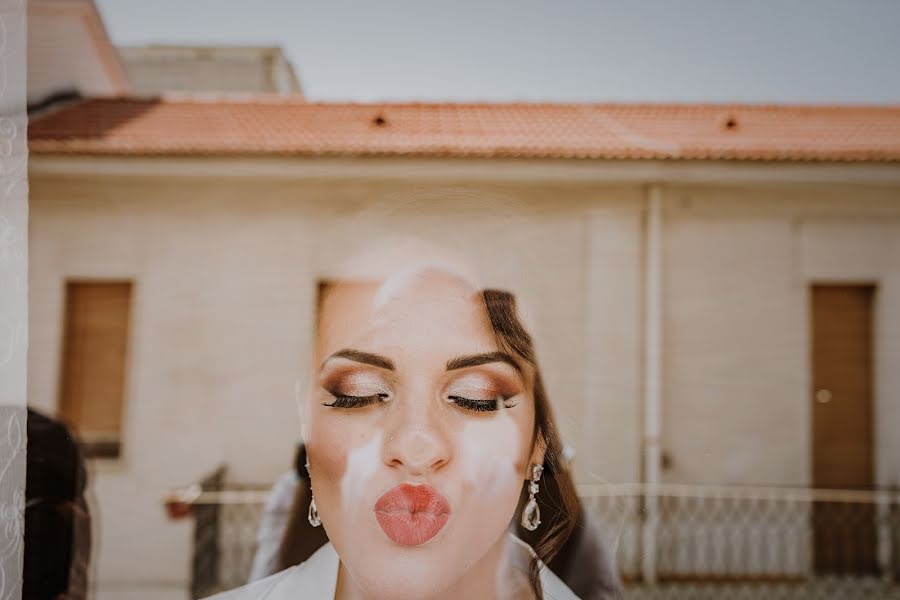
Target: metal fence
point(226, 521)
point(670, 541)
point(679, 541)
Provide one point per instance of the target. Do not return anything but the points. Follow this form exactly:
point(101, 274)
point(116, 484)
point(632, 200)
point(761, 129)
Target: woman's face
point(419, 432)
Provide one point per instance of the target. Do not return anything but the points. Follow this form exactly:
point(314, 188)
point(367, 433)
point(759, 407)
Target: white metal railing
point(772, 540)
point(708, 541)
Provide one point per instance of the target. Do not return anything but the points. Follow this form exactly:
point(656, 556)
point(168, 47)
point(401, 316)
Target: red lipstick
point(412, 514)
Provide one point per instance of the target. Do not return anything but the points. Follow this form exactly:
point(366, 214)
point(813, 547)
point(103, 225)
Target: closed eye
point(344, 401)
point(479, 405)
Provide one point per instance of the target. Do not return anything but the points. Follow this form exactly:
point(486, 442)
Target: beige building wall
point(612, 414)
point(739, 266)
point(223, 301)
point(225, 273)
point(734, 347)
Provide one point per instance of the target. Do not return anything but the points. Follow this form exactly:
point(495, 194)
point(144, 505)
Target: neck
point(497, 576)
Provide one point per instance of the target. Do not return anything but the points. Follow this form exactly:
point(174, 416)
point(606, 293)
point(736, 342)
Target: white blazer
point(316, 579)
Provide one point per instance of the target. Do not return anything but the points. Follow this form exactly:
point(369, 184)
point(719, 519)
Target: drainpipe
point(653, 274)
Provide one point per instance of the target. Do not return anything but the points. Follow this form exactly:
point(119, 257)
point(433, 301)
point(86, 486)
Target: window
point(94, 359)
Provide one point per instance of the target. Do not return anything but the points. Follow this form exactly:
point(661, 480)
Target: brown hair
point(561, 496)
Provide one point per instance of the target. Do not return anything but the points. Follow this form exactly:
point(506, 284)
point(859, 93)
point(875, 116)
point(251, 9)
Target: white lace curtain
point(13, 293)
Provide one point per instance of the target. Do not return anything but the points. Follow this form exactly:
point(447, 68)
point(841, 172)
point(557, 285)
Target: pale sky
point(552, 50)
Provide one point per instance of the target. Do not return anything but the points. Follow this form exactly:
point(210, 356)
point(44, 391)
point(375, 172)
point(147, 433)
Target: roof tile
point(270, 126)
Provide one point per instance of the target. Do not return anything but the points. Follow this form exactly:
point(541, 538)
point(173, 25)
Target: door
point(842, 422)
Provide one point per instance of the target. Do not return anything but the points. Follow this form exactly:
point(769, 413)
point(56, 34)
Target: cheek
point(339, 451)
point(491, 456)
point(327, 455)
point(362, 464)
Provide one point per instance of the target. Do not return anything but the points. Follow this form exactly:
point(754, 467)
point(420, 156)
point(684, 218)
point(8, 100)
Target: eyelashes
point(344, 401)
point(470, 404)
point(477, 405)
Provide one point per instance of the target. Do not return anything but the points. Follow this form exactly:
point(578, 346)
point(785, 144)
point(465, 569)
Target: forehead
point(421, 312)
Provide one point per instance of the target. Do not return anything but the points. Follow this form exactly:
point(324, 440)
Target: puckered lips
point(410, 514)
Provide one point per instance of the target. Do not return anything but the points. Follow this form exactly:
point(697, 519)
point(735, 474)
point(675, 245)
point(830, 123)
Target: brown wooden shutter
point(94, 360)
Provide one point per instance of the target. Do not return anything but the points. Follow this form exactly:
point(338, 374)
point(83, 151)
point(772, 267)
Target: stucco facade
point(225, 266)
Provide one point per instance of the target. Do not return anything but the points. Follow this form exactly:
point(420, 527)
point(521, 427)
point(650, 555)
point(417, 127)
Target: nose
point(416, 442)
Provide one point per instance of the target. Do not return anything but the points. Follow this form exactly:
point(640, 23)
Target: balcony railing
point(680, 541)
point(670, 541)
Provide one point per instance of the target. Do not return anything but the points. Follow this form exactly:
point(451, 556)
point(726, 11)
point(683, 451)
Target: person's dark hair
point(561, 497)
point(57, 523)
point(300, 462)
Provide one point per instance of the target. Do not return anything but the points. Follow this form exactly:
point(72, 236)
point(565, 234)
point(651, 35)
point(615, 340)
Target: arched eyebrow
point(367, 358)
point(460, 362)
point(473, 360)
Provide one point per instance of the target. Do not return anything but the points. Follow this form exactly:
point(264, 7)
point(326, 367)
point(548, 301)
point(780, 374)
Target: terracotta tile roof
point(268, 126)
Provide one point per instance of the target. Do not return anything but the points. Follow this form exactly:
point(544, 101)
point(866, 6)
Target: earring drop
point(531, 514)
point(313, 514)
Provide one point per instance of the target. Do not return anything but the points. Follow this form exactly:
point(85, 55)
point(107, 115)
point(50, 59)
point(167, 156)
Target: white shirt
point(316, 579)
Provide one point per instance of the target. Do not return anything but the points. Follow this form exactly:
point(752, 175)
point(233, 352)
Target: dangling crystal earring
point(531, 514)
point(313, 514)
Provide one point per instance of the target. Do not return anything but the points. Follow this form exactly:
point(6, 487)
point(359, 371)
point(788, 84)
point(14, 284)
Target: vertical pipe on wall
point(652, 384)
